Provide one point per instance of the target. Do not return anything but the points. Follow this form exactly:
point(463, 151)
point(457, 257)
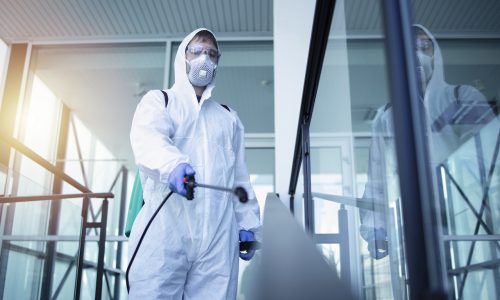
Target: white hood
point(437, 88)
point(182, 88)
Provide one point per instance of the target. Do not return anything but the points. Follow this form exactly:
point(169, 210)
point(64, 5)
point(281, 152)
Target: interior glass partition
point(22, 259)
point(461, 93)
point(101, 84)
point(354, 178)
point(98, 87)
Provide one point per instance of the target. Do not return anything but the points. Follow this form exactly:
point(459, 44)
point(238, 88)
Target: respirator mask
point(201, 70)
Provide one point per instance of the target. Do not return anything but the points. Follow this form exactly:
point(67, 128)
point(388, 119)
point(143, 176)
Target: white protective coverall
point(191, 248)
point(383, 184)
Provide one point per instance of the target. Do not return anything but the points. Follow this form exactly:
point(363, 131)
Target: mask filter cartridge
point(201, 70)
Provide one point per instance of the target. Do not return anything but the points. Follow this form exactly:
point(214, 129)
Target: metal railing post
point(102, 247)
point(81, 249)
point(345, 268)
point(306, 169)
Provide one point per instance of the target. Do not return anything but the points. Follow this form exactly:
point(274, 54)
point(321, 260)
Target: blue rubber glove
point(247, 236)
point(176, 178)
point(377, 243)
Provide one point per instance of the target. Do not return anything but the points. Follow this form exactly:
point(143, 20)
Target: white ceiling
point(37, 20)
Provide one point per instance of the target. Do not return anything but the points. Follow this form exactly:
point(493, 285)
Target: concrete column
point(292, 33)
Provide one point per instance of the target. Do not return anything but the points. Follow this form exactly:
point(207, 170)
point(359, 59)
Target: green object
point(136, 203)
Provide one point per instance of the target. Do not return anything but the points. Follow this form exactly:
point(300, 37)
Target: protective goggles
point(197, 50)
point(424, 45)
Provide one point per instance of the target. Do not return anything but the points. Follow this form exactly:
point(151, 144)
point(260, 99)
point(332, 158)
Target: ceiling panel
point(34, 20)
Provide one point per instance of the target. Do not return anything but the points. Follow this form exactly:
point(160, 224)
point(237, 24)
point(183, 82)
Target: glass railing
point(319, 159)
point(358, 231)
point(470, 181)
point(406, 155)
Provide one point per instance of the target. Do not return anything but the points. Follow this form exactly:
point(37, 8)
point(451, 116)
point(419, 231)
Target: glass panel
point(38, 129)
point(326, 177)
point(331, 253)
point(260, 162)
point(28, 218)
point(353, 161)
point(24, 271)
point(64, 280)
point(459, 70)
point(244, 82)
point(100, 84)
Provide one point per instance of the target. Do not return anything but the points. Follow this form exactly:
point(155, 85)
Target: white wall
point(292, 33)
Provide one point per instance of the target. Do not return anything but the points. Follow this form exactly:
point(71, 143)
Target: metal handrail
point(362, 203)
point(323, 16)
point(17, 199)
point(61, 238)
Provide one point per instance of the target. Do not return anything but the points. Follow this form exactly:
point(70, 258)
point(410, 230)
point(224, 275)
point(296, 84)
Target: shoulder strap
point(455, 91)
point(226, 107)
point(165, 95)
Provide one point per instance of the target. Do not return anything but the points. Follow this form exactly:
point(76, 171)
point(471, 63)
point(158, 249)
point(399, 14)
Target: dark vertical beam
point(306, 169)
point(421, 230)
point(121, 222)
point(8, 112)
point(55, 207)
point(323, 15)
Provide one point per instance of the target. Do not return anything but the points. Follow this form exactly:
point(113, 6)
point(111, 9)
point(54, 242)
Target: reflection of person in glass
point(448, 126)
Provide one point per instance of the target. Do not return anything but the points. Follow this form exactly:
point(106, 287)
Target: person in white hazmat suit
point(382, 186)
point(191, 249)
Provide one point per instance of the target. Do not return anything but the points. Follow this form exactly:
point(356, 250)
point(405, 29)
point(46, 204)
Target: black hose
point(142, 237)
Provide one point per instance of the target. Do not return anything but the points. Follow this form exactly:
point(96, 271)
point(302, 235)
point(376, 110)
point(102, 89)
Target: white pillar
point(292, 34)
